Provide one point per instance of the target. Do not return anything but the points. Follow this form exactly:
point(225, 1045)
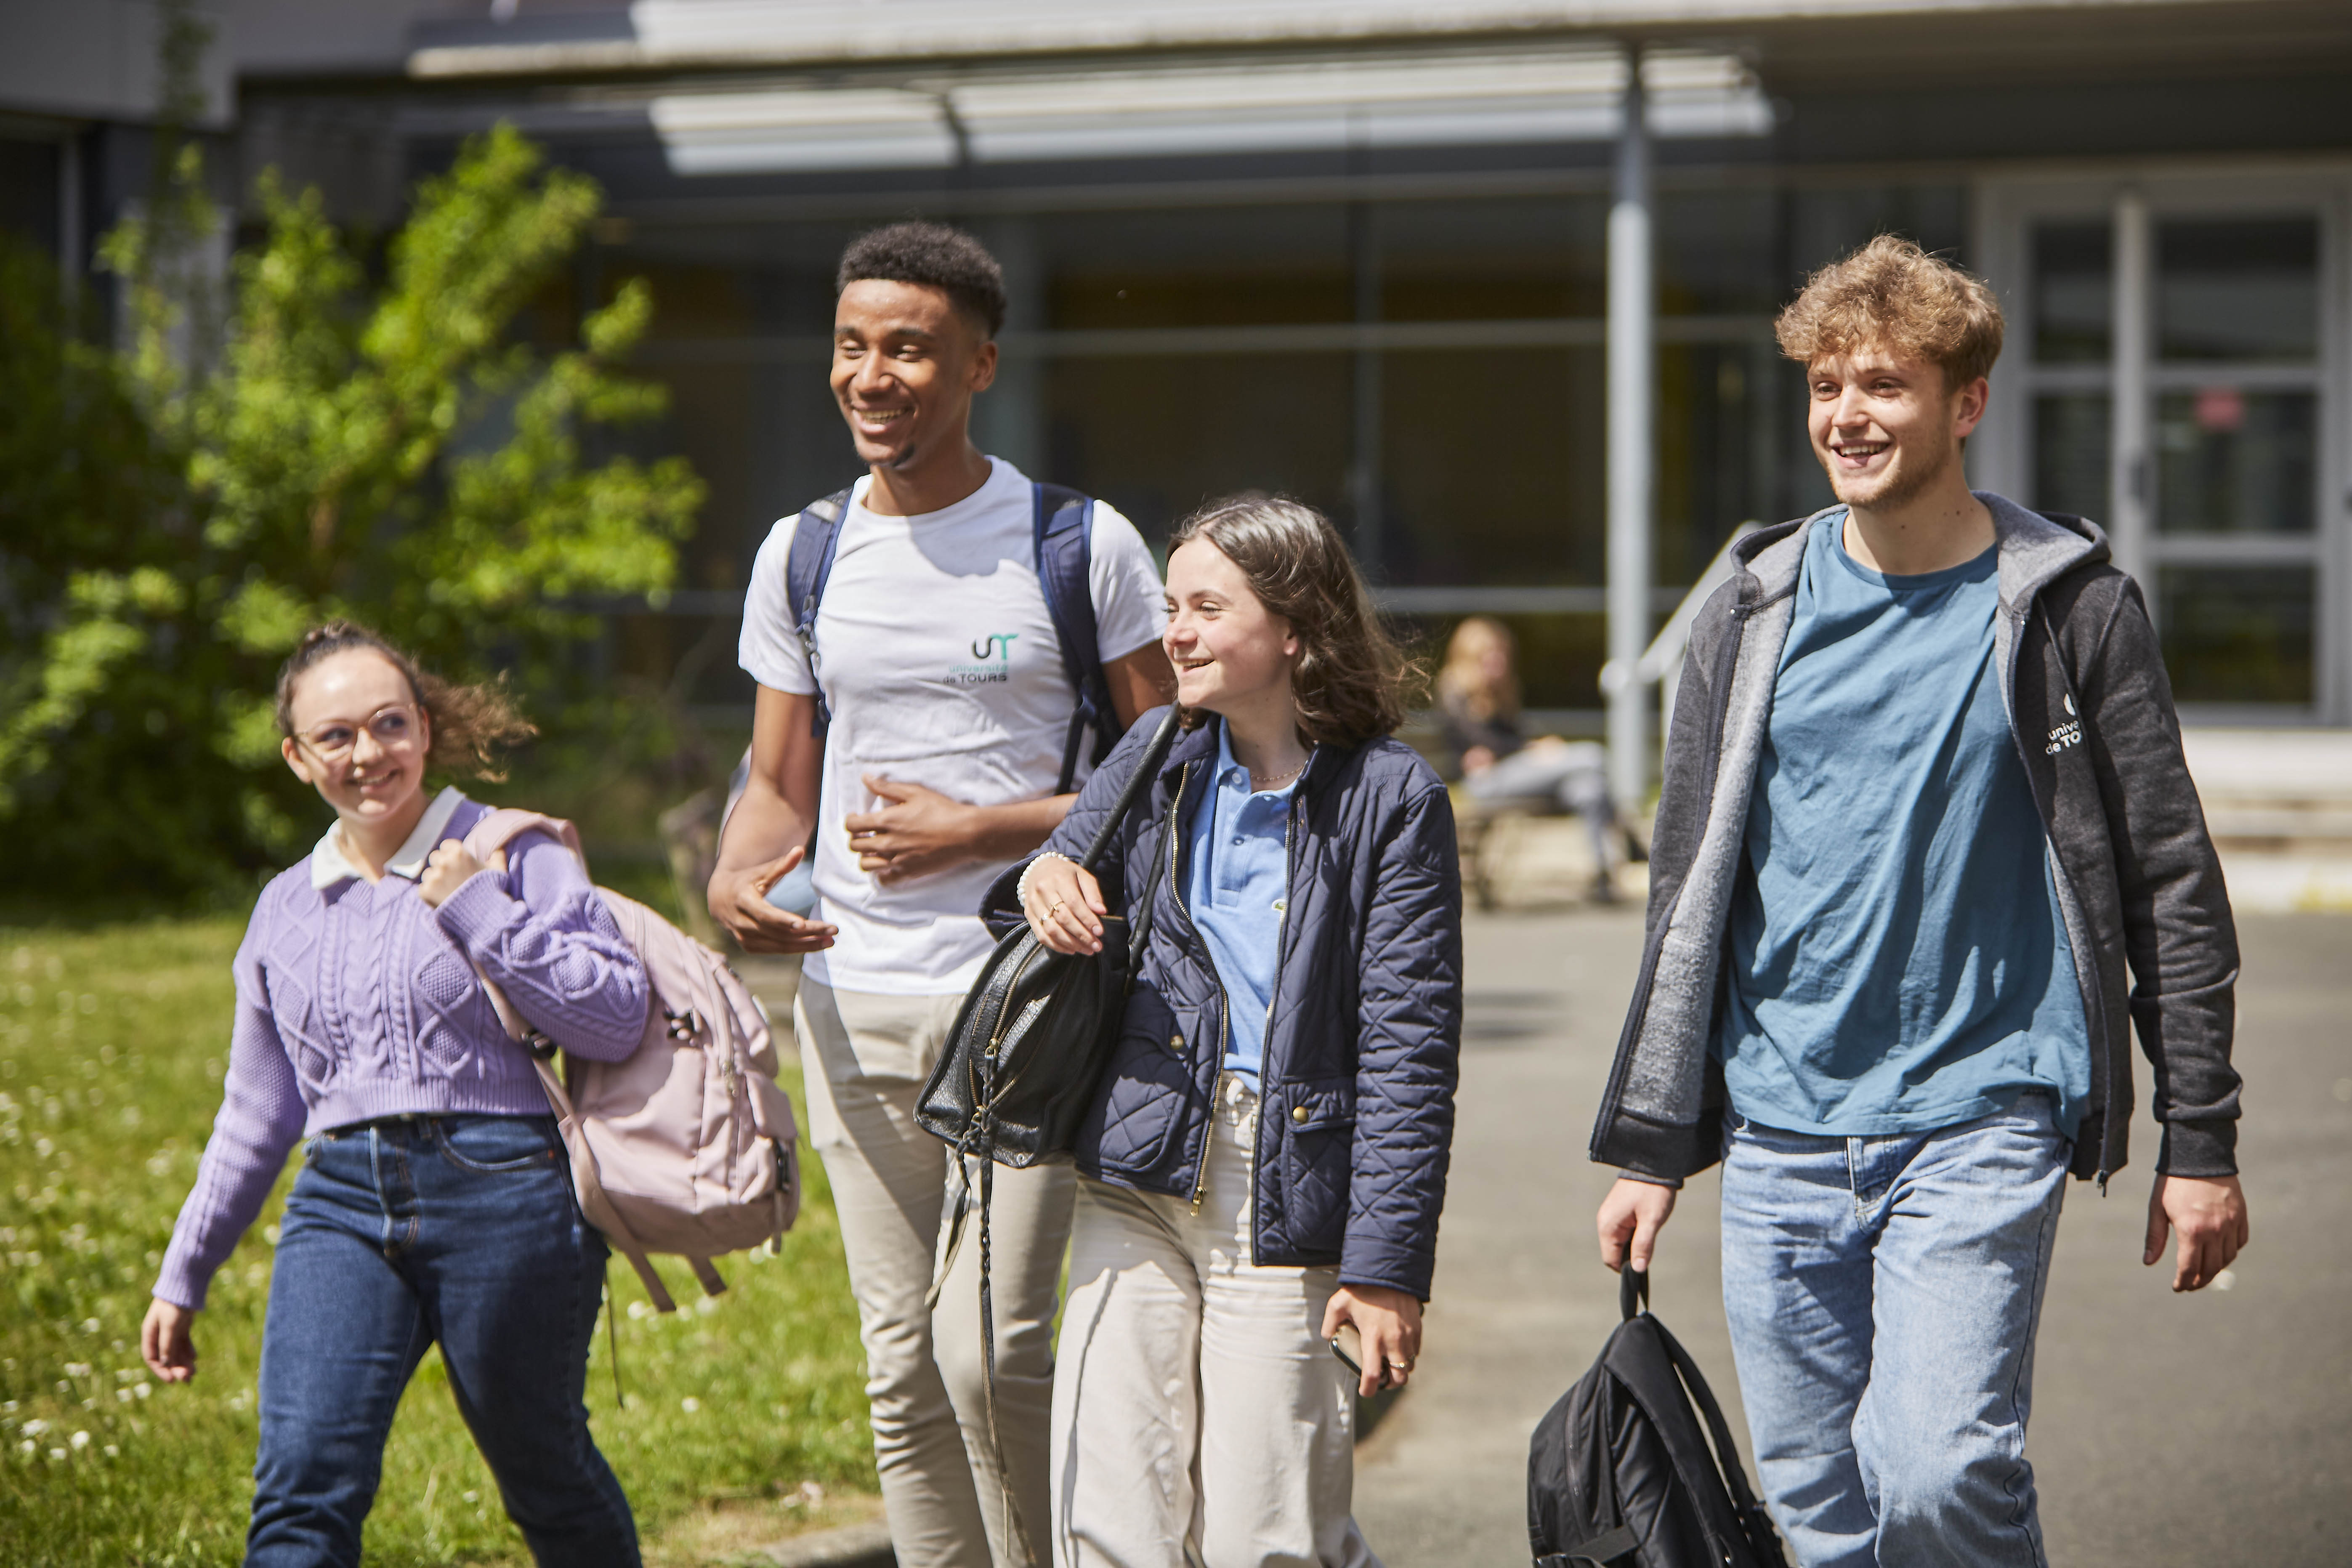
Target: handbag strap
point(1138, 936)
point(1155, 751)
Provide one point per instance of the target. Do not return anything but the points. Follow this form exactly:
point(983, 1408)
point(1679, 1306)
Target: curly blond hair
point(1891, 294)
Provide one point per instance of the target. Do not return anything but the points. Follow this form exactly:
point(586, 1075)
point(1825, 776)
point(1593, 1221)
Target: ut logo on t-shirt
point(994, 657)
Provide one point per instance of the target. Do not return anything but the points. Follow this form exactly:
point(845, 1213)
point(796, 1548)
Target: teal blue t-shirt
point(1897, 962)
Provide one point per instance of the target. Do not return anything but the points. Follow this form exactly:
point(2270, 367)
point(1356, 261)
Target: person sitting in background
point(434, 1203)
point(1478, 714)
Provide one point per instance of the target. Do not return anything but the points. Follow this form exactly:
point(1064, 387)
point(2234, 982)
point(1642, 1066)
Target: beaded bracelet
point(1020, 888)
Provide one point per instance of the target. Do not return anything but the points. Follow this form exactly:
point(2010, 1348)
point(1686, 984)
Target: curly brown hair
point(1351, 679)
point(469, 725)
point(1890, 294)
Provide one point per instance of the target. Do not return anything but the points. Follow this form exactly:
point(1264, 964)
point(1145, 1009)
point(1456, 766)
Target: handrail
point(1665, 649)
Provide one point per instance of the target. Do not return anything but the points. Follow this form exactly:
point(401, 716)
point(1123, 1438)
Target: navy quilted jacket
point(1362, 1048)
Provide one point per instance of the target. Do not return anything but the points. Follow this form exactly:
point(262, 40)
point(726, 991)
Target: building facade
point(1360, 254)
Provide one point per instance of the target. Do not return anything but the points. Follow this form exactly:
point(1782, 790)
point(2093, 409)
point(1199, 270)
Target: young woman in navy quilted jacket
point(1265, 1159)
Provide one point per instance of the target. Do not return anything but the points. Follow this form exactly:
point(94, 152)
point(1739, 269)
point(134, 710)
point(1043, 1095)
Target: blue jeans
point(1882, 1296)
point(399, 1234)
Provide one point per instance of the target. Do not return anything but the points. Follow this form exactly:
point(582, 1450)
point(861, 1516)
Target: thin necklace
point(1257, 783)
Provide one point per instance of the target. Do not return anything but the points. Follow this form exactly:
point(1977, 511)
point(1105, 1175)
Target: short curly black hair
point(935, 255)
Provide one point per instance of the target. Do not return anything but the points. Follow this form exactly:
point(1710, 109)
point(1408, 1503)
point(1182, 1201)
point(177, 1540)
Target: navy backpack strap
point(1063, 526)
point(810, 562)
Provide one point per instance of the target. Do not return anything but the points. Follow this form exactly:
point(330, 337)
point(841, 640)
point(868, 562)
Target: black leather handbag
point(1029, 1043)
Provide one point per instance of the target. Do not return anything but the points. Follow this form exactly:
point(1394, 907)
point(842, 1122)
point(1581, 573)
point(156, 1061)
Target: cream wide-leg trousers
point(865, 1058)
point(1199, 1415)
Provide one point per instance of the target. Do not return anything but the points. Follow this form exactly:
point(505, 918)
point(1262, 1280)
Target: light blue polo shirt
point(1898, 963)
point(1239, 888)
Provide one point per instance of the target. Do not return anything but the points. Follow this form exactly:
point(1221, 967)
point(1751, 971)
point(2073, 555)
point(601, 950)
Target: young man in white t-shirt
point(949, 710)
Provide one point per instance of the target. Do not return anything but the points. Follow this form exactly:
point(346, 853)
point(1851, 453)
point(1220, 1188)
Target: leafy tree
point(172, 517)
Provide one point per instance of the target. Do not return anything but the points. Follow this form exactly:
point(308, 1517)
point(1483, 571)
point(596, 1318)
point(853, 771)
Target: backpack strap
point(493, 833)
point(1063, 526)
point(503, 824)
point(815, 538)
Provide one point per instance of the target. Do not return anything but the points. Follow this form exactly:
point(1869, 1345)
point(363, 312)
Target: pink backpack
point(688, 1147)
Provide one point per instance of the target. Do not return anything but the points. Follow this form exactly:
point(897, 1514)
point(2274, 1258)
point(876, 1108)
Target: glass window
point(2234, 461)
point(2238, 289)
point(2237, 634)
point(1494, 467)
point(2073, 293)
point(2070, 435)
point(1197, 266)
point(1158, 435)
point(1821, 225)
point(1493, 260)
point(1716, 251)
point(28, 190)
point(1719, 448)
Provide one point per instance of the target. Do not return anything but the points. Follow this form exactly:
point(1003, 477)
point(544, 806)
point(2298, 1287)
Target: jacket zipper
point(1281, 946)
point(1225, 1002)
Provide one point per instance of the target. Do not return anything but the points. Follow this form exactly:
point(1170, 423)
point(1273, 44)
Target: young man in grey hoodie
point(1925, 807)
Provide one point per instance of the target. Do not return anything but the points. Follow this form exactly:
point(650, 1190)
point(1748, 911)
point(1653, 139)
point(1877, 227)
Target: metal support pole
point(1364, 441)
point(1633, 392)
point(2130, 487)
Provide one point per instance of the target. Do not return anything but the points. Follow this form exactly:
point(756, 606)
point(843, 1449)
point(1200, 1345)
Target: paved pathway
point(2210, 1430)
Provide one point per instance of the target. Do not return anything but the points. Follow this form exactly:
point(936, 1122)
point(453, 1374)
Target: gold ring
point(1399, 1366)
point(1055, 908)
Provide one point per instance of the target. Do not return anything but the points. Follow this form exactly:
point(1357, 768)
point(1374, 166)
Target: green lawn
point(112, 1042)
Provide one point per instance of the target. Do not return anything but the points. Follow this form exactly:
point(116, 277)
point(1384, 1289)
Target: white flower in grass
point(80, 1441)
point(112, 1452)
point(689, 1404)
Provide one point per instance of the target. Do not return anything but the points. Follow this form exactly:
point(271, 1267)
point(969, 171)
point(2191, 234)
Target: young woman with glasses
point(434, 1205)
point(1265, 1162)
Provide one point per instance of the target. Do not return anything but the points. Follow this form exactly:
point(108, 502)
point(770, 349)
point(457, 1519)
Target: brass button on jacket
point(1298, 1113)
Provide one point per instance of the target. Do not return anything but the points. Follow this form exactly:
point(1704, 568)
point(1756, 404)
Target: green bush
point(398, 450)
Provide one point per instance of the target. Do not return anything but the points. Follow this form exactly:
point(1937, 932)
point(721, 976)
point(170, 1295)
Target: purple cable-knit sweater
point(356, 1001)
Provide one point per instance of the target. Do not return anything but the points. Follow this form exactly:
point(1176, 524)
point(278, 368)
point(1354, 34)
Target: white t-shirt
point(941, 667)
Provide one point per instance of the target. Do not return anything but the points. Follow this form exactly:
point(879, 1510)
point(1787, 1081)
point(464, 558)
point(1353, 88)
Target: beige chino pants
point(865, 1058)
point(1199, 1415)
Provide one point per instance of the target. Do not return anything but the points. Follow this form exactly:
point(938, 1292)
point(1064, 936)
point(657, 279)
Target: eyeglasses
point(393, 727)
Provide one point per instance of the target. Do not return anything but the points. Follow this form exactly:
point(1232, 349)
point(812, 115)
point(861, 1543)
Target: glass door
point(2233, 395)
point(2176, 388)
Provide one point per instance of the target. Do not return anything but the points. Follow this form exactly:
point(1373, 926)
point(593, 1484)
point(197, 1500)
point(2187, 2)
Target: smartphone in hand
point(1349, 1346)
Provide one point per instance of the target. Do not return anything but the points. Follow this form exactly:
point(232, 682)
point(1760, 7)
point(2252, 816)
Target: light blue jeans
point(1882, 1296)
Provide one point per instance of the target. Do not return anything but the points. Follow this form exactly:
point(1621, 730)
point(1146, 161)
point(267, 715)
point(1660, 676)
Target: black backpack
point(1620, 1475)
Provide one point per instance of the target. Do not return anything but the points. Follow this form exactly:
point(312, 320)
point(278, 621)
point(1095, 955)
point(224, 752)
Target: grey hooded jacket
point(2138, 885)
